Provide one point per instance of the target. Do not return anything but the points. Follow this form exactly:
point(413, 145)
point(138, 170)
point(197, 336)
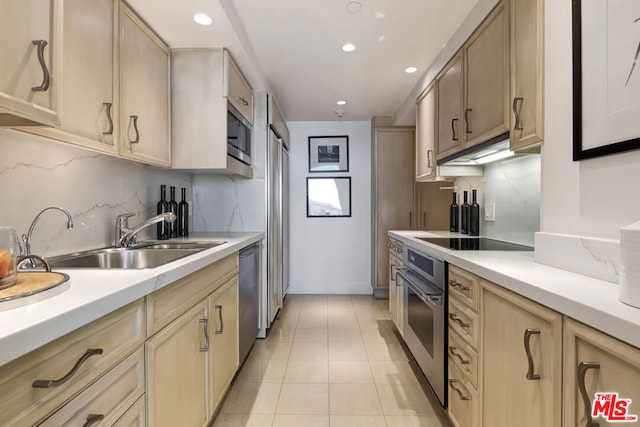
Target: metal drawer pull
point(92, 419)
point(219, 308)
point(455, 284)
point(462, 396)
point(108, 105)
point(46, 77)
point(71, 373)
point(517, 108)
point(583, 367)
point(459, 321)
point(461, 359)
point(205, 329)
point(527, 348)
point(466, 119)
point(453, 129)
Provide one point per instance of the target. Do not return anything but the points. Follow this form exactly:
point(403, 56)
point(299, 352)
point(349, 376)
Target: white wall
point(331, 255)
point(36, 172)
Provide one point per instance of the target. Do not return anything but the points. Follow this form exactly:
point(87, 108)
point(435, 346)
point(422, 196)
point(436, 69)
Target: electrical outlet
point(490, 211)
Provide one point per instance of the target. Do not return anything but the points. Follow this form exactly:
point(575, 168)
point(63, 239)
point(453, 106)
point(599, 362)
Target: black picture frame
point(329, 196)
point(580, 152)
point(328, 154)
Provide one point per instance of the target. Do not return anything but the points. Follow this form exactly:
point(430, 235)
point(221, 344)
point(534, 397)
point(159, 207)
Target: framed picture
point(606, 77)
point(328, 196)
point(329, 153)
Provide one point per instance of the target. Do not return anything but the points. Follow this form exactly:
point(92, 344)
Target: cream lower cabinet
point(177, 370)
point(396, 285)
point(597, 363)
point(521, 361)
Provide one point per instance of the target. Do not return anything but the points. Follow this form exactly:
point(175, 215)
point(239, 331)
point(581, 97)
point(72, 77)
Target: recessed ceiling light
point(380, 15)
point(341, 102)
point(354, 7)
point(349, 47)
point(202, 18)
point(410, 70)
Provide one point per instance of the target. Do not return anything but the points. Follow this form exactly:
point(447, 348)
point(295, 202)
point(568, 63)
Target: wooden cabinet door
point(450, 108)
point(527, 70)
point(393, 293)
point(144, 93)
point(28, 85)
point(176, 360)
point(597, 363)
point(521, 340)
point(487, 68)
point(426, 134)
point(224, 346)
point(433, 206)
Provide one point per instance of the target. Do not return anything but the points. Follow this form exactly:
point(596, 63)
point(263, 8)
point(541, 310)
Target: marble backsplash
point(36, 172)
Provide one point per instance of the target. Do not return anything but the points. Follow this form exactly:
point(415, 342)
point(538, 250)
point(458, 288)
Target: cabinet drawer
point(167, 304)
point(135, 417)
point(464, 287)
point(110, 338)
point(108, 398)
point(464, 358)
point(464, 405)
point(239, 93)
point(463, 321)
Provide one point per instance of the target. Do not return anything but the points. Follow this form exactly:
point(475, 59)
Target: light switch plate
point(490, 211)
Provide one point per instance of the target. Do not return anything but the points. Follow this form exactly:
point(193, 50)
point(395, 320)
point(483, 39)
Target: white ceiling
point(292, 48)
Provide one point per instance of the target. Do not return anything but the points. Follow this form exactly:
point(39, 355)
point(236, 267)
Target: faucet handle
point(123, 219)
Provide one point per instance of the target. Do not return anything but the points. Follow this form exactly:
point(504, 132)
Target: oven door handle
point(435, 299)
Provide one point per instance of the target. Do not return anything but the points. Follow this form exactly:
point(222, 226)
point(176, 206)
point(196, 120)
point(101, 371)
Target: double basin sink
point(144, 255)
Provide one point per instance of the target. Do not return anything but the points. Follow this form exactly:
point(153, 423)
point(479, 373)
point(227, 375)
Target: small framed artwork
point(329, 153)
point(328, 196)
point(606, 77)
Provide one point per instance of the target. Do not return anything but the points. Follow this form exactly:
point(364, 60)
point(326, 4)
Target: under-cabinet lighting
point(202, 18)
point(494, 157)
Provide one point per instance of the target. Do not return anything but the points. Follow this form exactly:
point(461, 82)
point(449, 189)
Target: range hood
point(490, 151)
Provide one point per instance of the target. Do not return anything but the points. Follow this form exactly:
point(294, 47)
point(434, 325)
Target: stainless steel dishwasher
point(249, 298)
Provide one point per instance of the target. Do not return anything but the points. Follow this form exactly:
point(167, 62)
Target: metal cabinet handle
point(466, 120)
point(92, 419)
point(517, 108)
point(392, 276)
point(244, 101)
point(205, 330)
point(455, 284)
point(410, 219)
point(527, 349)
point(430, 159)
point(462, 396)
point(134, 119)
point(424, 219)
point(219, 308)
point(454, 122)
point(583, 367)
point(109, 131)
point(459, 321)
point(55, 383)
point(458, 356)
point(46, 77)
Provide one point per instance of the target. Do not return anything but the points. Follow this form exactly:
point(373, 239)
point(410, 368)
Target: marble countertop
point(95, 293)
point(591, 301)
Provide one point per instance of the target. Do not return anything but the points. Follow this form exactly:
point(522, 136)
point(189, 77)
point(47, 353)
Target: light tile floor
point(331, 360)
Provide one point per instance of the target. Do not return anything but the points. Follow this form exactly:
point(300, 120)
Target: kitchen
point(582, 205)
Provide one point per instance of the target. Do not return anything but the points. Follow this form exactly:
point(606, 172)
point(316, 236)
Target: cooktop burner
point(475, 244)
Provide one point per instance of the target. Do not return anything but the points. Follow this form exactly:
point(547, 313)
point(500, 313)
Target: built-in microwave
point(238, 136)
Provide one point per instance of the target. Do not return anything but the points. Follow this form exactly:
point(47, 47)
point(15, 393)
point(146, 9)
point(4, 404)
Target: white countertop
point(93, 293)
point(591, 301)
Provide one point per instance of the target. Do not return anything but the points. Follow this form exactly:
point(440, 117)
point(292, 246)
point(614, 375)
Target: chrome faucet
point(26, 238)
point(126, 236)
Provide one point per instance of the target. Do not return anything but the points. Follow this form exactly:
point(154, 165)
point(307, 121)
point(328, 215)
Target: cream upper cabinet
point(597, 363)
point(237, 90)
point(30, 56)
point(486, 79)
point(426, 134)
point(144, 93)
point(433, 206)
point(450, 108)
point(527, 70)
point(521, 361)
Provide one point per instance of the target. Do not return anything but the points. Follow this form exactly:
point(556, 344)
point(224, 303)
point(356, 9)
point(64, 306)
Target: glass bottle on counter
point(162, 207)
point(454, 214)
point(173, 207)
point(464, 220)
point(183, 214)
point(474, 215)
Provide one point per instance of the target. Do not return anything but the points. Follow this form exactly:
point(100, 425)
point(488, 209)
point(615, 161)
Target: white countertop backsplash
point(588, 300)
point(95, 293)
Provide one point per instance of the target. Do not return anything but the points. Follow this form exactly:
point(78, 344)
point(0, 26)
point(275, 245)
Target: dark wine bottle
point(163, 206)
point(173, 207)
point(464, 220)
point(454, 214)
point(474, 219)
point(183, 214)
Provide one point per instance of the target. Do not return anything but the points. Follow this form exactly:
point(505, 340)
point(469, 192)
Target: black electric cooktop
point(475, 244)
